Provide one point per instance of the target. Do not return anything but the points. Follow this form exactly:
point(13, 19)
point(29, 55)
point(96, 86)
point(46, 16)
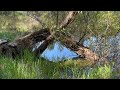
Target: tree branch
point(69, 19)
point(48, 37)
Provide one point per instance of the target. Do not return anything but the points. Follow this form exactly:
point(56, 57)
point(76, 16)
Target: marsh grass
point(27, 68)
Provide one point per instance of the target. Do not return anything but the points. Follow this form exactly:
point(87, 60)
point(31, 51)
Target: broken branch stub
point(8, 49)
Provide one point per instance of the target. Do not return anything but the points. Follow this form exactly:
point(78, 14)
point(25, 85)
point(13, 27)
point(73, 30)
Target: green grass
point(9, 35)
point(29, 68)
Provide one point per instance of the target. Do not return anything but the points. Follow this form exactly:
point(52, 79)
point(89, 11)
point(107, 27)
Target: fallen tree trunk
point(84, 52)
point(27, 42)
point(47, 36)
point(31, 39)
point(13, 49)
point(68, 41)
point(8, 49)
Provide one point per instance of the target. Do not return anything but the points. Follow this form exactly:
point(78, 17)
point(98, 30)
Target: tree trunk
point(28, 42)
point(84, 52)
point(69, 19)
point(70, 43)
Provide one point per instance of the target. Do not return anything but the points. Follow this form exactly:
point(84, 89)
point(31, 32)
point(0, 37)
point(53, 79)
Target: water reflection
point(108, 48)
point(105, 47)
point(58, 52)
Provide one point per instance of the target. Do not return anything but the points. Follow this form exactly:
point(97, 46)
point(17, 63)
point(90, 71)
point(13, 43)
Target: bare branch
point(69, 19)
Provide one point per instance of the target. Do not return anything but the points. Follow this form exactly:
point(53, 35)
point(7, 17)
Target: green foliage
point(89, 22)
point(10, 35)
point(95, 23)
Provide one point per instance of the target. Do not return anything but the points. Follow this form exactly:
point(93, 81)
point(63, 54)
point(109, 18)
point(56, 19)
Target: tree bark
point(47, 36)
point(69, 18)
point(68, 41)
point(84, 52)
point(15, 48)
point(31, 39)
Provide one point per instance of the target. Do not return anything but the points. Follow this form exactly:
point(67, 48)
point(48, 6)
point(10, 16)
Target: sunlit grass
point(27, 68)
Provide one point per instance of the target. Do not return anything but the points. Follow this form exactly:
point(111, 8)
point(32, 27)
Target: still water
point(59, 52)
point(111, 46)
